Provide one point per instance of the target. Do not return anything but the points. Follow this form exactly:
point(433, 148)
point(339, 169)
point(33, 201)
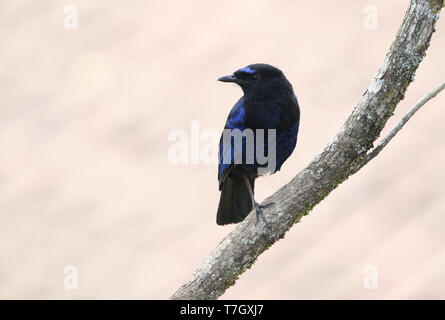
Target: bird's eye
point(247, 75)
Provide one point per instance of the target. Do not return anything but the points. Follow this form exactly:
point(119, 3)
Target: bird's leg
point(256, 206)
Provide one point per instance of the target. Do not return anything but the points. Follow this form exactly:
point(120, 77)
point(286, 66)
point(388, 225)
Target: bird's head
point(256, 78)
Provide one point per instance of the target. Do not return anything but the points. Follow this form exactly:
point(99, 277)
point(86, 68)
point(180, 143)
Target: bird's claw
point(259, 213)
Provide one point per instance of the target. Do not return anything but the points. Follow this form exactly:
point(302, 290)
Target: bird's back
point(280, 113)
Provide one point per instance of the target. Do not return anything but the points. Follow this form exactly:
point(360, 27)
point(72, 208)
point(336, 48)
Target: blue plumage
point(247, 70)
point(235, 120)
point(268, 104)
point(285, 141)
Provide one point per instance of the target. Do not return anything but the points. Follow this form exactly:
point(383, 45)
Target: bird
point(268, 103)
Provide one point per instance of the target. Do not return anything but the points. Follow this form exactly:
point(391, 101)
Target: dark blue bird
point(268, 103)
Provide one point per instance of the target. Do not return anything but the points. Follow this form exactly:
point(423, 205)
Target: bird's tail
point(235, 202)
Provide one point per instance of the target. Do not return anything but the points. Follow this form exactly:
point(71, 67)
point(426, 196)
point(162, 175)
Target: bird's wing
point(235, 120)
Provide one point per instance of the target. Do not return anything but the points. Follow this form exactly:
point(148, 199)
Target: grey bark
point(340, 158)
point(384, 141)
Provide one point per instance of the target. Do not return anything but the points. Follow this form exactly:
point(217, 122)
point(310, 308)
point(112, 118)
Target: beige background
point(84, 174)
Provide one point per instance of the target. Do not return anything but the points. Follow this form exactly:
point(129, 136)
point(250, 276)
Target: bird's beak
point(230, 78)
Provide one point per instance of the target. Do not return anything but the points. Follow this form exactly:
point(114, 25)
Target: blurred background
point(85, 179)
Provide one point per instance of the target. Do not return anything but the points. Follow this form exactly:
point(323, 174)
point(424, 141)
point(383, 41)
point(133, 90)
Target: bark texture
point(340, 158)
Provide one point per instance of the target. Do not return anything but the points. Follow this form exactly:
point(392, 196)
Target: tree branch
point(340, 159)
point(376, 150)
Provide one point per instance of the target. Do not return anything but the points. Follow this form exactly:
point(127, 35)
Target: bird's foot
point(259, 213)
